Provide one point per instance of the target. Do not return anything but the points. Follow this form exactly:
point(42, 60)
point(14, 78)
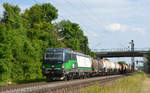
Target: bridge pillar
point(145, 63)
point(133, 64)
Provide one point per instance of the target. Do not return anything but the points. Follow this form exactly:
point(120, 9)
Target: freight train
point(65, 64)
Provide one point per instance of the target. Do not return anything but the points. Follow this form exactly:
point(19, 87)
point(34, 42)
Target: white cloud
point(117, 27)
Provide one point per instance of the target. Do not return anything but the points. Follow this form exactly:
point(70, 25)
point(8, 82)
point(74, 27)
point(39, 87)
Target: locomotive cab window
point(51, 55)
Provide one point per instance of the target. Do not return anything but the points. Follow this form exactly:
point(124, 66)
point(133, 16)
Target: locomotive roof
point(58, 49)
point(66, 51)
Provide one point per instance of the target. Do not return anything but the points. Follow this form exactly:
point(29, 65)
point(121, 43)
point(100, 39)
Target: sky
point(107, 23)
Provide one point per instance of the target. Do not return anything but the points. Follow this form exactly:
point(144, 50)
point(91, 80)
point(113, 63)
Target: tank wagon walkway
point(146, 86)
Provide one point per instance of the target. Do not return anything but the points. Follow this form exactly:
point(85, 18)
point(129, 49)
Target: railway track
point(52, 87)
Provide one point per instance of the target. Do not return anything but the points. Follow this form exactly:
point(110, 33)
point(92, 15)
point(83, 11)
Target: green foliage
point(12, 16)
point(73, 37)
point(39, 13)
point(25, 37)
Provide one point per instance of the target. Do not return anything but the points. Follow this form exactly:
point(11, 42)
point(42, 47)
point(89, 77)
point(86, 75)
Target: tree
point(5, 55)
point(11, 16)
point(41, 35)
point(73, 35)
point(25, 37)
point(39, 13)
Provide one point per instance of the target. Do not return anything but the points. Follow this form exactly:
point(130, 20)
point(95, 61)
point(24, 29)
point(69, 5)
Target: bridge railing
point(120, 49)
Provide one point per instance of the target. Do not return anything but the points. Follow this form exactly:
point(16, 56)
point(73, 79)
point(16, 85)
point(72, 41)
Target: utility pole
point(132, 58)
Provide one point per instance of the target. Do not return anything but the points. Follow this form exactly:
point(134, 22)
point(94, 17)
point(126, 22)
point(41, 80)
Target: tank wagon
point(64, 64)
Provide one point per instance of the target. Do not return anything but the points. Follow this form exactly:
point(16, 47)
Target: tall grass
point(130, 84)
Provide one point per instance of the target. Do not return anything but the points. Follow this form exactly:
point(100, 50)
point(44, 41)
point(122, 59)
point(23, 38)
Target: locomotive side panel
point(84, 61)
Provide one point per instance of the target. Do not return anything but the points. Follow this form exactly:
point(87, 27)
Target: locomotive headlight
point(63, 66)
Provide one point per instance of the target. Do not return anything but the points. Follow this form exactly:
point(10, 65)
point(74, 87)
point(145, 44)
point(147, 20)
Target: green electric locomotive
point(62, 64)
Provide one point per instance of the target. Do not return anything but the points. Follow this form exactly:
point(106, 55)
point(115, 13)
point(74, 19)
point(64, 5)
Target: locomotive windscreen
point(54, 55)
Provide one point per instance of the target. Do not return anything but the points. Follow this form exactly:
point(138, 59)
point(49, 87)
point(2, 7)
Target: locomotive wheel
point(85, 77)
point(66, 78)
point(71, 77)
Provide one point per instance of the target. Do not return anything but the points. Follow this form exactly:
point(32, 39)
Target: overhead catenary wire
point(89, 17)
point(89, 27)
point(71, 17)
point(97, 19)
point(91, 12)
point(81, 12)
point(83, 27)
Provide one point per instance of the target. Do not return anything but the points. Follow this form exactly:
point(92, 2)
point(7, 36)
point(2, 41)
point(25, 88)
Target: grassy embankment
point(130, 84)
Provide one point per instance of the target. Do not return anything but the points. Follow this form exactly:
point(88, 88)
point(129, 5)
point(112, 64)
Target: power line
point(79, 9)
point(81, 25)
point(91, 12)
point(71, 13)
point(68, 2)
point(73, 18)
point(93, 21)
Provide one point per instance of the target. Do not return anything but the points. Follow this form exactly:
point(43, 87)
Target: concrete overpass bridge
point(124, 52)
point(121, 52)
